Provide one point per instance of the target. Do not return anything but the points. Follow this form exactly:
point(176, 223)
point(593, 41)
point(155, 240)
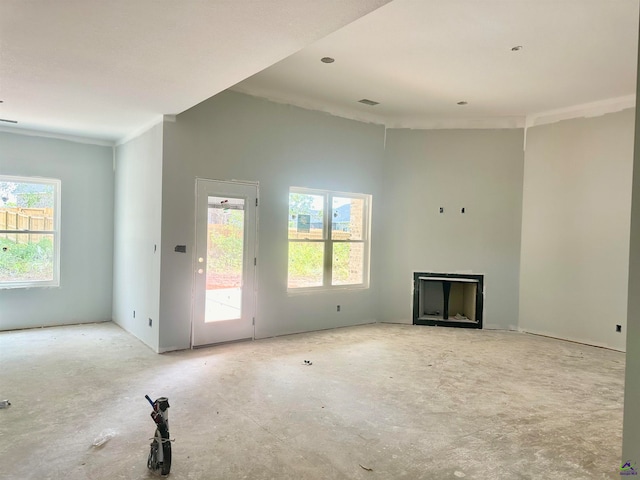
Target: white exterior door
point(224, 269)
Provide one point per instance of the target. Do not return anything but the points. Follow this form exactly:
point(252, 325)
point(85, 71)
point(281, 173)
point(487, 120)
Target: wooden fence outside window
point(25, 219)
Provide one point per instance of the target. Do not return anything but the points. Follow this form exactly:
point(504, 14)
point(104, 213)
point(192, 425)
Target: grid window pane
point(348, 263)
point(306, 216)
point(347, 220)
point(306, 261)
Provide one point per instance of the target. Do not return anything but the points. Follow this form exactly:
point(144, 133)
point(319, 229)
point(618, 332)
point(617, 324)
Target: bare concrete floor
point(404, 401)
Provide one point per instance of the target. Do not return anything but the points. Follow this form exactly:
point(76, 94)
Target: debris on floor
point(307, 362)
point(459, 474)
point(103, 438)
point(366, 468)
point(4, 403)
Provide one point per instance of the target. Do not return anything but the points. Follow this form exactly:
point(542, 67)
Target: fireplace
point(448, 299)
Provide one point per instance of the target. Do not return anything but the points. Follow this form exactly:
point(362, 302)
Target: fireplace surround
point(448, 299)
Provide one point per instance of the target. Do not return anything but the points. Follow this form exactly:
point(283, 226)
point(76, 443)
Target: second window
point(328, 239)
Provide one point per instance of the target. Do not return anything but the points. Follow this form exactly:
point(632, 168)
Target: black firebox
point(448, 299)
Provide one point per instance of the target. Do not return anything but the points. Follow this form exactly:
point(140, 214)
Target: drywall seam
point(462, 123)
point(58, 136)
point(585, 110)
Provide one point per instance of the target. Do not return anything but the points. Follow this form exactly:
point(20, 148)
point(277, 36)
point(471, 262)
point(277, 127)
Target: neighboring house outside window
point(29, 232)
point(328, 239)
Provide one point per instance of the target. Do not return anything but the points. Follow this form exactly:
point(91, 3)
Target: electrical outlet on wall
point(618, 328)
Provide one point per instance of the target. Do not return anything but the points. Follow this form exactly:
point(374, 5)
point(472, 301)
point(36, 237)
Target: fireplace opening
point(448, 299)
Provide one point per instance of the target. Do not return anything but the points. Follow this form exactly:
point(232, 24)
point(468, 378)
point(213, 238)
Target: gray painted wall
point(480, 170)
point(137, 240)
point(234, 136)
point(631, 423)
point(575, 229)
point(86, 175)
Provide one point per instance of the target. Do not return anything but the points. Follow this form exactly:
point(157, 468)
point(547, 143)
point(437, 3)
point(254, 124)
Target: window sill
point(26, 286)
point(313, 290)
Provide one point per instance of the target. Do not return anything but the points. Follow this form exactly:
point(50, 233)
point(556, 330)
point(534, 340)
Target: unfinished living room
point(365, 239)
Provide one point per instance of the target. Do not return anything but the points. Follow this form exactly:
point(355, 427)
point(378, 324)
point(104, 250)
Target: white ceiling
point(102, 69)
point(418, 58)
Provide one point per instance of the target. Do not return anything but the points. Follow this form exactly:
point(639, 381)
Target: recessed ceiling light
point(366, 101)
point(463, 102)
point(327, 60)
point(8, 121)
point(517, 48)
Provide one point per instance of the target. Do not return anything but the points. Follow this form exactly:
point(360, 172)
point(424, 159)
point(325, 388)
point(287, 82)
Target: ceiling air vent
point(366, 101)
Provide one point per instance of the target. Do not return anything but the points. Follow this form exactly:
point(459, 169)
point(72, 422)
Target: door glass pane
point(225, 248)
point(348, 264)
point(306, 260)
point(347, 218)
point(26, 257)
point(306, 216)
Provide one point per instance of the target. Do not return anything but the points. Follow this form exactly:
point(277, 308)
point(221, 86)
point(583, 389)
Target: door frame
point(194, 259)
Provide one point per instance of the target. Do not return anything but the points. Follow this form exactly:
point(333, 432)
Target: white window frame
point(55, 281)
point(329, 242)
